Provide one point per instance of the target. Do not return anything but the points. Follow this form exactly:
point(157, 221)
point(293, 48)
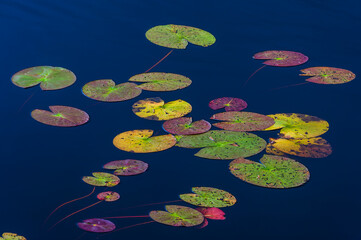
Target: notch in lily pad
point(185, 126)
point(209, 197)
point(161, 82)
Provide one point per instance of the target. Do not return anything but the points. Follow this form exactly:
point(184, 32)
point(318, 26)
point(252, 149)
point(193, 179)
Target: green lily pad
point(102, 179)
point(161, 82)
point(128, 167)
point(272, 172)
point(185, 126)
point(108, 196)
point(178, 216)
point(178, 36)
point(49, 78)
point(328, 75)
point(11, 236)
point(105, 90)
point(209, 197)
point(223, 144)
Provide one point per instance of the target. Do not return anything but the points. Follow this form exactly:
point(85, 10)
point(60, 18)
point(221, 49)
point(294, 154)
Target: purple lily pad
point(96, 225)
point(184, 126)
point(127, 167)
point(281, 58)
point(228, 103)
point(61, 116)
point(108, 196)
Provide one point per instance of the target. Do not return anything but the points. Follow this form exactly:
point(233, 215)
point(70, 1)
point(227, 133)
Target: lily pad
point(281, 58)
point(223, 144)
point(161, 82)
point(228, 103)
point(178, 36)
point(185, 126)
point(328, 75)
point(178, 216)
point(108, 196)
point(242, 121)
point(102, 179)
point(156, 109)
point(272, 172)
point(309, 147)
point(270, 149)
point(49, 78)
point(61, 116)
point(141, 141)
point(212, 213)
point(11, 236)
point(209, 197)
point(105, 90)
point(128, 167)
point(96, 225)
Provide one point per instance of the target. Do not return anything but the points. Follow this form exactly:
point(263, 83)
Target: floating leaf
point(282, 58)
point(272, 172)
point(178, 216)
point(61, 116)
point(309, 147)
point(228, 103)
point(212, 213)
point(161, 82)
point(242, 121)
point(328, 75)
point(127, 167)
point(96, 225)
point(209, 197)
point(140, 141)
point(11, 236)
point(270, 149)
point(156, 109)
point(102, 179)
point(178, 36)
point(108, 196)
point(184, 126)
point(223, 144)
point(50, 78)
point(105, 90)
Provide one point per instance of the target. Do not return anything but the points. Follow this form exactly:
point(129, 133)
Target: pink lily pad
point(328, 75)
point(212, 213)
point(281, 58)
point(228, 103)
point(184, 126)
point(96, 225)
point(127, 167)
point(108, 196)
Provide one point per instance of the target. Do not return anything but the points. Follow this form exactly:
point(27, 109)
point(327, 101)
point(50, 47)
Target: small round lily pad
point(178, 216)
point(328, 75)
point(105, 90)
point(161, 82)
point(128, 167)
point(272, 172)
point(212, 213)
point(281, 58)
point(49, 78)
point(61, 116)
point(96, 225)
point(209, 197)
point(108, 196)
point(102, 179)
point(11, 236)
point(185, 126)
point(228, 103)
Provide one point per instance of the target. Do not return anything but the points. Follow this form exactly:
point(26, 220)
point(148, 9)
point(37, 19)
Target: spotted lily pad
point(212, 213)
point(11, 236)
point(282, 58)
point(242, 121)
point(209, 197)
point(156, 109)
point(328, 75)
point(108, 196)
point(270, 149)
point(185, 126)
point(223, 144)
point(309, 147)
point(178, 216)
point(272, 172)
point(141, 141)
point(295, 125)
point(228, 103)
point(61, 116)
point(102, 179)
point(49, 78)
point(105, 90)
point(178, 36)
point(127, 167)
point(161, 82)
point(96, 225)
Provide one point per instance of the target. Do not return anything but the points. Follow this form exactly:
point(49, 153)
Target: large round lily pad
point(328, 75)
point(228, 103)
point(105, 90)
point(102, 179)
point(161, 82)
point(61, 116)
point(223, 144)
point(212, 213)
point(281, 58)
point(141, 141)
point(242, 121)
point(209, 197)
point(272, 172)
point(128, 167)
point(185, 126)
point(156, 109)
point(11, 236)
point(108, 196)
point(96, 225)
point(178, 36)
point(49, 78)
point(178, 216)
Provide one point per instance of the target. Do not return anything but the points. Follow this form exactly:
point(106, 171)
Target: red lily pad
point(96, 225)
point(328, 75)
point(281, 58)
point(61, 116)
point(127, 167)
point(212, 213)
point(228, 103)
point(108, 196)
point(184, 126)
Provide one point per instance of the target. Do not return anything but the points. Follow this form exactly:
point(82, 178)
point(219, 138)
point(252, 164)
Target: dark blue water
point(41, 166)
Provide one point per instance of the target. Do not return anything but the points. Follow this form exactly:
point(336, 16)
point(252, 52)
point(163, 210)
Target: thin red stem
point(138, 224)
point(27, 100)
point(292, 85)
point(126, 217)
point(160, 61)
point(253, 75)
